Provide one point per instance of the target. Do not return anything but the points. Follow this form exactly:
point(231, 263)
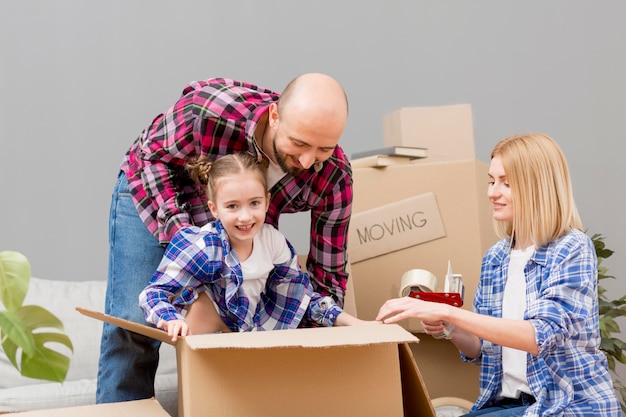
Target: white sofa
point(18, 393)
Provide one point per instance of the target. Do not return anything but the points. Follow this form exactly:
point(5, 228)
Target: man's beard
point(283, 164)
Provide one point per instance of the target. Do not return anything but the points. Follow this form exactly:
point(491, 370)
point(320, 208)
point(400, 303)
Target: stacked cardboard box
point(422, 215)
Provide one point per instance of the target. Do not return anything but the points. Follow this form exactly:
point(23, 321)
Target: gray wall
point(80, 79)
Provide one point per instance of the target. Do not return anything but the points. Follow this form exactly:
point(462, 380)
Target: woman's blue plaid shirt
point(569, 376)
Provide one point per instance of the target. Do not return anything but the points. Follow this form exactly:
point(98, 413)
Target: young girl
point(535, 326)
point(236, 273)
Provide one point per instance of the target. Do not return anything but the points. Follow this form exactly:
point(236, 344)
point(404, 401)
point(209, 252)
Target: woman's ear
point(213, 209)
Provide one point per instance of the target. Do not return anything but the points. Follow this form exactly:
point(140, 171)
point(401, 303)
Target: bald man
point(297, 133)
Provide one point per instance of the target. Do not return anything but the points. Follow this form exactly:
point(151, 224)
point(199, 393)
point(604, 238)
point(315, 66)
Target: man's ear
point(213, 209)
point(273, 117)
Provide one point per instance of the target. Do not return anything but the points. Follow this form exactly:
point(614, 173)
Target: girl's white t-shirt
point(514, 379)
point(269, 247)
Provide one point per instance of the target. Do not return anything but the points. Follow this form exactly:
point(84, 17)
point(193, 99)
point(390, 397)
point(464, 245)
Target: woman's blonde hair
point(204, 171)
point(541, 189)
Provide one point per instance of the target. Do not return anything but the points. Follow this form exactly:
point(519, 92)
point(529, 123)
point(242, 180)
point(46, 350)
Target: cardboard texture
point(149, 407)
point(443, 371)
point(394, 226)
point(460, 189)
point(355, 370)
point(446, 131)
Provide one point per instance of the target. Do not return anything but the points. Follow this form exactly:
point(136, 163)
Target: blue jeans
point(505, 407)
point(128, 361)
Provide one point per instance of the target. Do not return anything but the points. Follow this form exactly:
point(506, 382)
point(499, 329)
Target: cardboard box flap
point(149, 407)
point(321, 337)
point(415, 396)
point(128, 325)
point(317, 337)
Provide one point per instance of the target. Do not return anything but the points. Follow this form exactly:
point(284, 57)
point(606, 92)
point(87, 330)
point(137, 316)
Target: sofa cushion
point(61, 298)
point(76, 393)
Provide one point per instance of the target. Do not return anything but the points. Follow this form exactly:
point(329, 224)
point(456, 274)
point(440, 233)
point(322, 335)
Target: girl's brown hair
point(205, 171)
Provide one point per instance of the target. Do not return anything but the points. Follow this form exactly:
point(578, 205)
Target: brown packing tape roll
point(417, 280)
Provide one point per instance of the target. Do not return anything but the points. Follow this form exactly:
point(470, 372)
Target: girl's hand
point(174, 328)
point(345, 319)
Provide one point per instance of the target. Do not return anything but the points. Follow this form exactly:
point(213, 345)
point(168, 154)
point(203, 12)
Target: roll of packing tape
point(417, 280)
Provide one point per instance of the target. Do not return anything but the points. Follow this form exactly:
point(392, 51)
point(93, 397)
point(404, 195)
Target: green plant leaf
point(608, 310)
point(26, 346)
point(47, 364)
point(15, 331)
point(14, 279)
point(615, 347)
point(36, 316)
point(616, 312)
point(25, 330)
point(620, 301)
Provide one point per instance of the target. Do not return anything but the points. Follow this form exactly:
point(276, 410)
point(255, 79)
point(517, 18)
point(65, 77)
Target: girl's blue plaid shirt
point(201, 259)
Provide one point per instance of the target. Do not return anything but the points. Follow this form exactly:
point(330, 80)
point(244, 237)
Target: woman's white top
point(514, 379)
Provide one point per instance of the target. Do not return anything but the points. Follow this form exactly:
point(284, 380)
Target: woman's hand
point(438, 329)
point(398, 309)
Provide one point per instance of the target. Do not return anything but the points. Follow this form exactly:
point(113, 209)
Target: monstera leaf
point(28, 332)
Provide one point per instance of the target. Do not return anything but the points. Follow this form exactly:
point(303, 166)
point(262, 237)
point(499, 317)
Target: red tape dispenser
point(422, 284)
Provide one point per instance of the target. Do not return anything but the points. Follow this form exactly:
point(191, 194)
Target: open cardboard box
point(364, 370)
point(150, 407)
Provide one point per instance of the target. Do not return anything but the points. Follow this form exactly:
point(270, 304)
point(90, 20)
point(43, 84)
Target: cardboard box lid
point(415, 397)
point(321, 337)
point(128, 325)
point(149, 407)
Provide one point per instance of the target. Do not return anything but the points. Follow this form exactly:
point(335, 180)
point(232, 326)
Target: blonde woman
point(534, 327)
